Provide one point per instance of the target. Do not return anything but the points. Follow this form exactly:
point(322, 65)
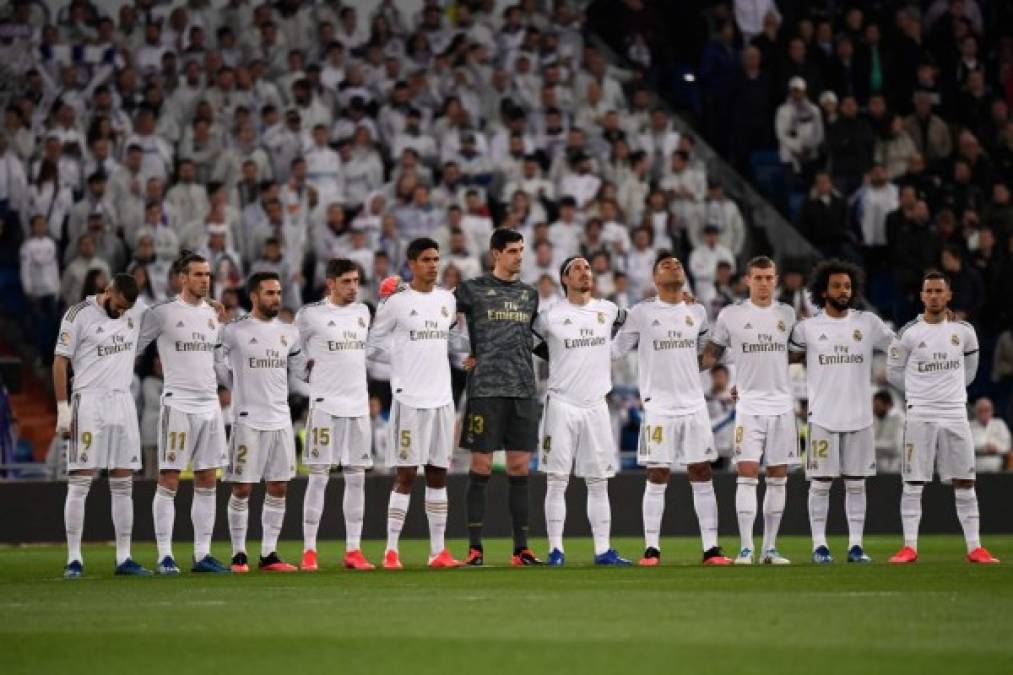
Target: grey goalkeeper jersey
point(500, 315)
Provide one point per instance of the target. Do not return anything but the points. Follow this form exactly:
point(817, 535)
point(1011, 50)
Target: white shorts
point(668, 440)
point(332, 440)
point(840, 453)
point(576, 439)
point(256, 455)
point(185, 438)
point(420, 436)
point(772, 438)
point(103, 432)
point(945, 444)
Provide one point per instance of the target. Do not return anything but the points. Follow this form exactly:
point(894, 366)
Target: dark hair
point(417, 246)
point(883, 396)
point(336, 267)
point(502, 237)
point(126, 285)
point(760, 262)
point(932, 275)
point(565, 267)
point(663, 254)
point(182, 263)
point(257, 278)
point(820, 281)
point(90, 285)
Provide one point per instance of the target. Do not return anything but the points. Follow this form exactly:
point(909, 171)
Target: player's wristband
point(63, 416)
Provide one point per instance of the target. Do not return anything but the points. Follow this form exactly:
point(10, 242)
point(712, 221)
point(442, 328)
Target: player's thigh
point(695, 442)
point(247, 455)
point(558, 437)
point(321, 439)
point(955, 454)
point(858, 452)
point(440, 430)
point(482, 429)
point(658, 440)
point(210, 442)
point(123, 437)
point(918, 456)
point(750, 437)
point(781, 443)
point(279, 451)
point(823, 460)
point(408, 434)
point(353, 439)
point(88, 445)
point(596, 451)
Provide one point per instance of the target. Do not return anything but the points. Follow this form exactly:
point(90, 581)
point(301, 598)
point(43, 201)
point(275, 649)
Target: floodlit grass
point(939, 616)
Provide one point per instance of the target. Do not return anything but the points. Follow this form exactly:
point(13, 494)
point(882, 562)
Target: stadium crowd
point(276, 136)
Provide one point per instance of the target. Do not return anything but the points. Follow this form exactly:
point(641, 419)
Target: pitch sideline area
point(940, 615)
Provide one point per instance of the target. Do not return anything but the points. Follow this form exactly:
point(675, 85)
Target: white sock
point(353, 505)
point(705, 504)
point(967, 513)
point(121, 490)
point(239, 521)
point(163, 508)
point(854, 509)
point(555, 509)
point(819, 506)
point(73, 514)
point(911, 513)
point(436, 514)
point(599, 512)
point(654, 509)
point(397, 509)
point(202, 513)
point(773, 508)
point(271, 519)
point(313, 506)
point(745, 508)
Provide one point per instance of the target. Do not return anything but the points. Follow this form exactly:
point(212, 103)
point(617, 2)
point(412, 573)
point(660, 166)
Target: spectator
point(750, 109)
point(877, 198)
point(799, 128)
point(823, 220)
point(47, 197)
point(721, 211)
point(965, 284)
point(40, 281)
point(704, 259)
point(895, 149)
point(850, 143)
point(991, 438)
point(721, 408)
point(930, 134)
point(888, 430)
point(72, 280)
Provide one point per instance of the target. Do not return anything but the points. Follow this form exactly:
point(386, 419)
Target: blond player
point(756, 331)
point(414, 326)
point(191, 432)
point(668, 335)
point(576, 432)
point(837, 346)
point(98, 339)
point(338, 431)
point(933, 361)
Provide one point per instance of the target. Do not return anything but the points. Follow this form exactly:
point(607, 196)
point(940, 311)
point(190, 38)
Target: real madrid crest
point(362, 322)
point(601, 317)
point(857, 335)
point(130, 323)
point(689, 320)
point(171, 457)
point(780, 326)
point(211, 324)
point(954, 340)
point(444, 312)
point(284, 341)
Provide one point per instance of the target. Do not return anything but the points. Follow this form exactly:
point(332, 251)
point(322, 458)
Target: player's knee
point(699, 472)
point(962, 484)
point(660, 475)
point(436, 477)
point(748, 469)
point(242, 490)
point(780, 471)
point(518, 465)
point(557, 482)
point(204, 479)
point(169, 480)
point(277, 488)
point(481, 462)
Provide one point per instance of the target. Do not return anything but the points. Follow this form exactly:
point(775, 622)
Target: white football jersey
point(579, 338)
point(415, 328)
point(186, 336)
point(932, 356)
point(668, 339)
point(101, 349)
point(334, 338)
point(758, 340)
point(258, 354)
point(839, 366)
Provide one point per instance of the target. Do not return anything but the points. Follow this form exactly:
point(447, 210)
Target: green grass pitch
point(939, 616)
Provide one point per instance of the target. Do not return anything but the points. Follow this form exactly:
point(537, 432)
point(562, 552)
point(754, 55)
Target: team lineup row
point(326, 351)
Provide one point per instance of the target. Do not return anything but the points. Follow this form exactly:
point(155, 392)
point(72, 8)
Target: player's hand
point(390, 286)
point(688, 298)
point(63, 418)
point(219, 309)
point(469, 363)
point(734, 391)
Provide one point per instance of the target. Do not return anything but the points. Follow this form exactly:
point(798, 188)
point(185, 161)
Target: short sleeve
point(970, 340)
point(797, 341)
point(66, 342)
point(719, 334)
point(882, 336)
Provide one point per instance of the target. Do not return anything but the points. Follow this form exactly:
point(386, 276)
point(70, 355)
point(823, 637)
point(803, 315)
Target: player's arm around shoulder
point(797, 342)
point(628, 336)
point(718, 341)
point(897, 355)
point(971, 353)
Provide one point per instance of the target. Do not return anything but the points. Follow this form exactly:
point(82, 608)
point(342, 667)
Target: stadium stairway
point(30, 398)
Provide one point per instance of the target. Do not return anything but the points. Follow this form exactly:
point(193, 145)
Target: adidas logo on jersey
point(100, 330)
point(331, 323)
point(749, 326)
point(921, 345)
point(179, 325)
point(567, 322)
point(414, 313)
point(655, 323)
point(253, 341)
point(823, 337)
